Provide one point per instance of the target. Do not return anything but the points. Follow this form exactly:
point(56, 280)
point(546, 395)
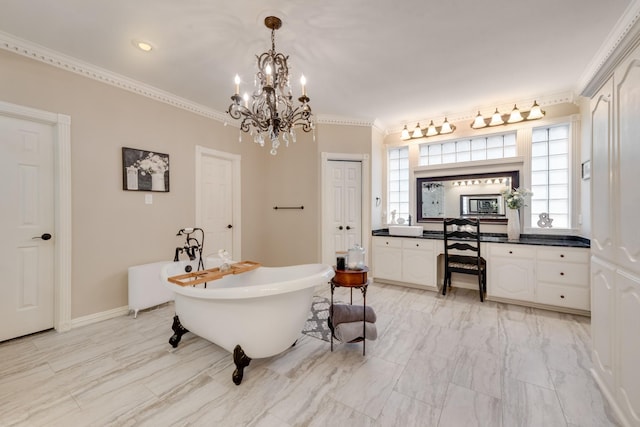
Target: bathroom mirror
point(469, 196)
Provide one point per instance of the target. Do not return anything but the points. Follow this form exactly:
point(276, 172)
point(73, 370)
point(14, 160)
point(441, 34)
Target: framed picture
point(586, 170)
point(144, 170)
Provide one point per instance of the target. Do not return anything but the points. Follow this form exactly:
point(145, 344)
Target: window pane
point(559, 132)
point(509, 139)
point(404, 163)
point(435, 160)
point(539, 192)
point(539, 178)
point(538, 206)
point(463, 146)
point(494, 153)
point(539, 164)
point(464, 156)
point(558, 207)
point(495, 141)
point(539, 149)
point(449, 147)
point(510, 151)
point(559, 177)
point(479, 144)
point(539, 135)
point(478, 155)
point(449, 158)
point(559, 161)
point(435, 149)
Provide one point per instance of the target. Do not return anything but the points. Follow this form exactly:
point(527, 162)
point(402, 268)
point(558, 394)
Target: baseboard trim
point(99, 317)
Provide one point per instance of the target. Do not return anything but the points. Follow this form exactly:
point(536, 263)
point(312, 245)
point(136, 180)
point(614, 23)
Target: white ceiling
point(391, 61)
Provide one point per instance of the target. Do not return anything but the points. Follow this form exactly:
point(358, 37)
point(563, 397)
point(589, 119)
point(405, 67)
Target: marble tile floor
point(439, 361)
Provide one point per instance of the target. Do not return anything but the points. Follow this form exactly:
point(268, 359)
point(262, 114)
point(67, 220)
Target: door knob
point(340, 227)
point(348, 228)
point(229, 226)
point(45, 236)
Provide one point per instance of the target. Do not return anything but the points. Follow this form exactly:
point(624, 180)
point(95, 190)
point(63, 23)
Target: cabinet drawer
point(563, 296)
point(564, 254)
point(512, 251)
point(563, 273)
point(417, 244)
point(388, 242)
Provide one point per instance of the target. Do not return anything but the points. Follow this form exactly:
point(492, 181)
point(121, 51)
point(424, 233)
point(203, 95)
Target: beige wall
point(114, 229)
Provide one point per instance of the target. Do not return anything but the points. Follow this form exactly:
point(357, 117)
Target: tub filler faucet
point(192, 246)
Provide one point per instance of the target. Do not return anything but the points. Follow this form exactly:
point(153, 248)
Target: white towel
point(349, 331)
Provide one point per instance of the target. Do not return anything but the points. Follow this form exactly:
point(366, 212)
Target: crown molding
point(624, 37)
point(325, 119)
point(67, 63)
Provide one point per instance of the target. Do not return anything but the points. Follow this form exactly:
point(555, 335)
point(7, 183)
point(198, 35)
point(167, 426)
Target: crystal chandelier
point(269, 113)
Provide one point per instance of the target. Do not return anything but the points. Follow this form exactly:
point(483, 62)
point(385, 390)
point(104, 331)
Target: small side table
point(353, 279)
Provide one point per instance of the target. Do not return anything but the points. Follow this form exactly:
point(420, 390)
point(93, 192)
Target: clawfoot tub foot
point(242, 361)
point(179, 332)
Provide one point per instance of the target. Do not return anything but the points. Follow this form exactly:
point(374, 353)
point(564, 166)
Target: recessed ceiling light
point(142, 45)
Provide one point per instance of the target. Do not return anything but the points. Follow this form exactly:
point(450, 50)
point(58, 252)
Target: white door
point(218, 202)
point(26, 217)
point(343, 213)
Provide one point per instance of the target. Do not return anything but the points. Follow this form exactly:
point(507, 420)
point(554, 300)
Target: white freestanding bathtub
point(255, 314)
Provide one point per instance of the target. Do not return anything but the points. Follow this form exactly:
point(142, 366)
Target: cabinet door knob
point(561, 255)
point(562, 273)
point(562, 296)
point(417, 245)
point(510, 252)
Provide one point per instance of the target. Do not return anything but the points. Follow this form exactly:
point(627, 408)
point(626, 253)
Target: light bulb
point(536, 112)
point(446, 127)
point(431, 130)
point(496, 119)
point(417, 132)
point(515, 116)
point(479, 122)
point(237, 82)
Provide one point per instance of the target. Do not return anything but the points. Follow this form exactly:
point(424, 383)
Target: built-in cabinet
point(552, 276)
point(615, 243)
point(510, 271)
point(555, 276)
point(404, 260)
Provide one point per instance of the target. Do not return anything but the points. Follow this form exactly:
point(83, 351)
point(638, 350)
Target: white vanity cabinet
point(510, 271)
point(562, 276)
point(548, 275)
point(387, 258)
point(418, 262)
point(404, 260)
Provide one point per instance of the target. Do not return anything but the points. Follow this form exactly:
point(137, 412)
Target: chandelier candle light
point(269, 112)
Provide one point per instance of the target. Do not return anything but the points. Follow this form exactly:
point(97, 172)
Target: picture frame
point(586, 170)
point(144, 170)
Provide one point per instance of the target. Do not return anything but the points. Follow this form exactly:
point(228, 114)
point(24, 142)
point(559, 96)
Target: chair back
point(465, 239)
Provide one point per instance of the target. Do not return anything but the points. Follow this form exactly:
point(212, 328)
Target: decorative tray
point(202, 276)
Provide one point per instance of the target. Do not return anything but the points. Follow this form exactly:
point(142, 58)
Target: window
point(550, 175)
point(398, 183)
point(466, 150)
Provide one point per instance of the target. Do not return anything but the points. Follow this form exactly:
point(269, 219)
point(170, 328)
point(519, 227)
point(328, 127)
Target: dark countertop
point(525, 239)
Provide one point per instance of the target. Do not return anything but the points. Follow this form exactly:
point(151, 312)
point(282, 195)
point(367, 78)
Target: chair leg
point(480, 287)
point(444, 285)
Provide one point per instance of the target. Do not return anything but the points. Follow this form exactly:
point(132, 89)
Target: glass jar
point(355, 258)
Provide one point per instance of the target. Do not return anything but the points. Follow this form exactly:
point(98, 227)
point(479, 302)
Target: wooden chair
point(465, 239)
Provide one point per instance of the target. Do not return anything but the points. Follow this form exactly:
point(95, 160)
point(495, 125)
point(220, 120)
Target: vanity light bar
point(504, 119)
point(504, 180)
point(431, 130)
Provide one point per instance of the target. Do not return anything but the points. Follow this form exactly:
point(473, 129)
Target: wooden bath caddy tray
point(202, 276)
